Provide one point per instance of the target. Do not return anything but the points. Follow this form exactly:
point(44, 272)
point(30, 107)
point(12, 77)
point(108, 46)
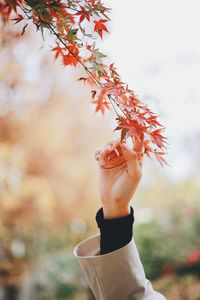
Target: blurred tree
point(47, 193)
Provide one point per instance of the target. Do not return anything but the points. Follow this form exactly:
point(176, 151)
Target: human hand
point(120, 171)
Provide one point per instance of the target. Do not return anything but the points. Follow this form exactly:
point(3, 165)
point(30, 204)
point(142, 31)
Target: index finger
point(138, 143)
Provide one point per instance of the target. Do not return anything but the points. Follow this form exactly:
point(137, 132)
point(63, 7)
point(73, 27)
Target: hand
point(120, 170)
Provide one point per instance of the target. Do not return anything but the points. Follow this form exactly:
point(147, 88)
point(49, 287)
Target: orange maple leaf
point(58, 51)
point(69, 59)
point(73, 48)
point(101, 105)
point(100, 27)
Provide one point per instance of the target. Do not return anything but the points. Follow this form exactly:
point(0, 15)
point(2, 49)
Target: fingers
point(138, 144)
point(128, 153)
point(117, 152)
point(138, 148)
point(110, 155)
point(111, 146)
point(141, 160)
point(133, 164)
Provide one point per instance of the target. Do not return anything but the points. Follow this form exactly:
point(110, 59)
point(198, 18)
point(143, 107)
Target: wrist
point(112, 211)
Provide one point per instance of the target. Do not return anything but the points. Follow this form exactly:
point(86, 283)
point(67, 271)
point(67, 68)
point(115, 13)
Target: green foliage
point(154, 253)
point(57, 278)
point(163, 246)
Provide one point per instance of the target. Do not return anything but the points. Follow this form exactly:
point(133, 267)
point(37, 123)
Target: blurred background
point(49, 133)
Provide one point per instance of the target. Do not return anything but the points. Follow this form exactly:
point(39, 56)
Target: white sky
point(156, 46)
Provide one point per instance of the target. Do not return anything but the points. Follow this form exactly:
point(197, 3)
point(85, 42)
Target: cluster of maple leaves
point(76, 24)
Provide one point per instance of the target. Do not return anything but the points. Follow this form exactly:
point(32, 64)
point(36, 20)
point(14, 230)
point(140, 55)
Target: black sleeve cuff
point(115, 233)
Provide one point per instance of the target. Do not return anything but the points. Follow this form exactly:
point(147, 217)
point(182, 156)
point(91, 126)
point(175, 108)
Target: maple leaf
point(152, 120)
point(159, 157)
point(111, 88)
point(73, 48)
point(100, 27)
point(58, 51)
point(72, 57)
point(157, 138)
point(7, 8)
point(133, 100)
point(147, 148)
point(101, 105)
point(18, 19)
point(69, 59)
point(83, 15)
point(113, 70)
point(5, 11)
point(54, 13)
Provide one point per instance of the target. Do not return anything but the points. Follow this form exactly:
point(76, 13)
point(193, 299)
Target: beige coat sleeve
point(118, 275)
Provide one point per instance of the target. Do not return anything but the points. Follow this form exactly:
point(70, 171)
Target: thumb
point(131, 158)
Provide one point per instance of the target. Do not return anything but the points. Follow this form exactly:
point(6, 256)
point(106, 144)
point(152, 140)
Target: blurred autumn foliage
point(46, 161)
point(49, 189)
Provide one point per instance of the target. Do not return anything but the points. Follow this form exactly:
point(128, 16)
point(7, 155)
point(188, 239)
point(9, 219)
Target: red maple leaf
point(147, 148)
point(18, 19)
point(54, 13)
point(11, 5)
point(152, 120)
point(159, 157)
point(5, 11)
point(83, 15)
point(73, 49)
point(157, 138)
point(100, 27)
point(58, 51)
point(71, 58)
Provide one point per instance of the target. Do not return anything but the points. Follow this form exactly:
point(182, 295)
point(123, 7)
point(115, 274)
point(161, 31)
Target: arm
point(110, 260)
